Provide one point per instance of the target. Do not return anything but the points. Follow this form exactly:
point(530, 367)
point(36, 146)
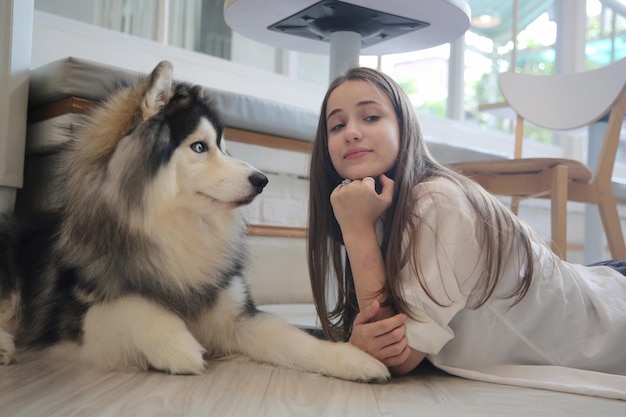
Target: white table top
point(448, 19)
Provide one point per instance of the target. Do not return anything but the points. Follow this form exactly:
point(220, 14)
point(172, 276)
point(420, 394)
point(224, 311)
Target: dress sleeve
point(448, 256)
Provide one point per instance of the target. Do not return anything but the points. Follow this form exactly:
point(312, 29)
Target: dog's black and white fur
point(143, 266)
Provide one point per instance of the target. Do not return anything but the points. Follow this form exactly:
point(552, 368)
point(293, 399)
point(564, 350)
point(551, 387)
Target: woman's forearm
point(368, 272)
point(368, 269)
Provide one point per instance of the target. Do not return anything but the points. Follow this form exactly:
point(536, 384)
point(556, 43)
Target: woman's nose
point(352, 133)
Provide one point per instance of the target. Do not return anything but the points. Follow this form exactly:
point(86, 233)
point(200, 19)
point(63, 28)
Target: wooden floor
point(40, 385)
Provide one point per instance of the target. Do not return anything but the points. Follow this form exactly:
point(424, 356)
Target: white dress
point(567, 334)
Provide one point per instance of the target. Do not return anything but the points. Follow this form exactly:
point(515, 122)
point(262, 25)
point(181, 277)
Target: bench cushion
point(73, 77)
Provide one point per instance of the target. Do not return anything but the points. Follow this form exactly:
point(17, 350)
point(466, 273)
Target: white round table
point(349, 28)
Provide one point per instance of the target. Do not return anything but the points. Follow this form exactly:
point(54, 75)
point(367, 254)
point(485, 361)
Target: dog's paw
point(7, 348)
point(353, 364)
point(179, 355)
point(346, 361)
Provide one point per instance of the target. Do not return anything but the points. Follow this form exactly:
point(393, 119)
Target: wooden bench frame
point(81, 105)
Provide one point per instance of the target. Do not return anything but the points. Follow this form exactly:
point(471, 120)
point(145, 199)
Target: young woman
point(420, 261)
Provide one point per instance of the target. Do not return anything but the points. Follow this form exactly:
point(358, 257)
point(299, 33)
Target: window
point(498, 40)
point(606, 32)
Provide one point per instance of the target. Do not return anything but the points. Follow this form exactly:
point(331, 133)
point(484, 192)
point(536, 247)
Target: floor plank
point(302, 394)
point(43, 384)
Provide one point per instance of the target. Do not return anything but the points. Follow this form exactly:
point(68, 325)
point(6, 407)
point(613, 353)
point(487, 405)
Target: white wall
point(84, 11)
point(55, 37)
point(16, 20)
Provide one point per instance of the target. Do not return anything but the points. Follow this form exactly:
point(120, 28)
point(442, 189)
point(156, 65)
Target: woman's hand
point(384, 339)
point(357, 204)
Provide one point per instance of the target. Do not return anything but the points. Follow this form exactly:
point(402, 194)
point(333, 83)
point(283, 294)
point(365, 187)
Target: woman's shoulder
point(444, 198)
point(442, 190)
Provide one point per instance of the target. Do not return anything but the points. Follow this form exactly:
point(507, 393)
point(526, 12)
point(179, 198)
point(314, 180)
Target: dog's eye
point(199, 147)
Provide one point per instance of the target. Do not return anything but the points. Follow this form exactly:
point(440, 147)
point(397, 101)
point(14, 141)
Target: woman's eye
point(372, 118)
point(336, 127)
point(199, 147)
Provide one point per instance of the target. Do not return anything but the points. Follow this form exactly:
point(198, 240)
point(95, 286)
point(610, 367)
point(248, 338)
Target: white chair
point(561, 102)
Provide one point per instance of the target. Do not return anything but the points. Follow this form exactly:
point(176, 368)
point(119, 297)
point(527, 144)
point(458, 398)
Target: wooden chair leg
point(559, 211)
point(612, 225)
point(515, 205)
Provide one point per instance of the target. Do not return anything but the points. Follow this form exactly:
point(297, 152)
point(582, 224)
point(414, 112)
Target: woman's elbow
point(410, 362)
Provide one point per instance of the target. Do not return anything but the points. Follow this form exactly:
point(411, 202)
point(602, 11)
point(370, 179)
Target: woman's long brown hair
point(329, 268)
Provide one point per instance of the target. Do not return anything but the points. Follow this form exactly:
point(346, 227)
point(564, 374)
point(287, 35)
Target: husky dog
point(142, 268)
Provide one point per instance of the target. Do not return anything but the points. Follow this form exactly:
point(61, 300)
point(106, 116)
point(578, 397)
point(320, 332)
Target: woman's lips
point(356, 153)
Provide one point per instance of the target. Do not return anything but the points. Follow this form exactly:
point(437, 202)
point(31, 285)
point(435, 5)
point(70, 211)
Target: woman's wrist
point(359, 235)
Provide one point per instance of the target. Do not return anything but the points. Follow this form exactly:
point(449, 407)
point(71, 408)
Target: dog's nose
point(258, 180)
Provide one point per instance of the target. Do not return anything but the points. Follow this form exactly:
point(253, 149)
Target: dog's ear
point(158, 91)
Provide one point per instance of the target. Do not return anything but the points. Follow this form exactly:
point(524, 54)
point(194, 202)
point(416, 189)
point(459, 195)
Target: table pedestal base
point(344, 52)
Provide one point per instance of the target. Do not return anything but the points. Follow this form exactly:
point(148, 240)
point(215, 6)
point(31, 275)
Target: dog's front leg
point(7, 348)
point(134, 332)
point(267, 338)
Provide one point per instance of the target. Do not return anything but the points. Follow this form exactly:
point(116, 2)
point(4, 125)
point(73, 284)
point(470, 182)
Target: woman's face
point(363, 132)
